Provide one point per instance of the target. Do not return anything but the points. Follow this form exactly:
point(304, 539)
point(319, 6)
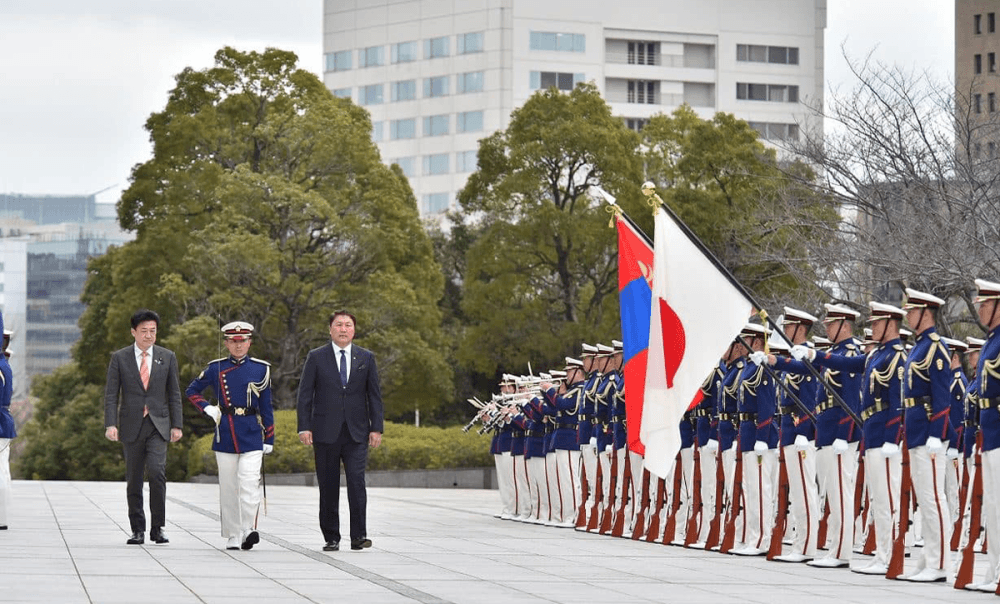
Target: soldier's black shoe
point(331, 546)
point(137, 538)
point(156, 536)
point(360, 543)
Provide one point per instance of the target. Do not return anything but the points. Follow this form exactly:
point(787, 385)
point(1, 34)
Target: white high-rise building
point(438, 75)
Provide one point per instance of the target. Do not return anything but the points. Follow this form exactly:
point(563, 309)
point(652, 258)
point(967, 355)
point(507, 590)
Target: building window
point(404, 52)
point(543, 80)
point(465, 161)
point(469, 43)
point(434, 203)
point(991, 100)
point(405, 90)
point(436, 47)
point(342, 93)
point(469, 82)
point(469, 121)
point(991, 62)
point(370, 95)
point(436, 164)
point(977, 103)
point(635, 123)
point(402, 129)
point(373, 56)
point(436, 86)
point(642, 91)
point(377, 131)
point(436, 125)
point(977, 64)
point(777, 93)
point(775, 131)
point(338, 61)
point(541, 40)
point(406, 164)
point(643, 53)
point(991, 22)
point(753, 53)
point(978, 24)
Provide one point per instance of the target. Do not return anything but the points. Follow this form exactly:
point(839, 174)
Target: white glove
point(214, 412)
point(890, 449)
point(800, 352)
point(593, 443)
point(268, 449)
point(758, 357)
point(801, 442)
point(952, 453)
point(934, 444)
point(712, 445)
point(839, 446)
point(609, 449)
point(760, 447)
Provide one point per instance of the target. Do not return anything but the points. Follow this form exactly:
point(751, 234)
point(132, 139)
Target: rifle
point(720, 504)
point(581, 512)
point(905, 492)
point(695, 517)
point(608, 514)
point(734, 505)
point(639, 529)
point(670, 530)
point(964, 575)
point(619, 524)
point(823, 524)
point(598, 497)
point(781, 517)
point(963, 500)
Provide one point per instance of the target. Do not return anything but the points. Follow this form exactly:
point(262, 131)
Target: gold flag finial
point(652, 197)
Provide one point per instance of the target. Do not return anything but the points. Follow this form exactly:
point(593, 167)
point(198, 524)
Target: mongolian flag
point(635, 273)
point(695, 312)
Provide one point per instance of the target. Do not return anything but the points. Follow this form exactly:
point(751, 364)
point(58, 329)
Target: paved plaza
point(66, 544)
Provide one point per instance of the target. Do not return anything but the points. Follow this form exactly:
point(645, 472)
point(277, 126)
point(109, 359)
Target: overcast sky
point(78, 78)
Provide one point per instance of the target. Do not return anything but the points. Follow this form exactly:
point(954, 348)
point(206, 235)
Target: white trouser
point(588, 458)
point(567, 481)
point(803, 497)
point(239, 491)
point(709, 462)
point(538, 489)
point(608, 481)
point(686, 494)
point(634, 494)
point(552, 483)
point(991, 513)
point(729, 471)
point(758, 492)
point(970, 468)
point(883, 477)
point(928, 473)
point(837, 474)
point(505, 480)
point(5, 485)
point(952, 483)
point(522, 500)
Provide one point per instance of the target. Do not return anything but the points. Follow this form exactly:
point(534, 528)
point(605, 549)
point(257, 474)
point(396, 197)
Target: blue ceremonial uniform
point(243, 389)
point(757, 404)
point(615, 431)
point(970, 421)
point(534, 442)
point(590, 408)
point(728, 411)
point(563, 409)
point(926, 389)
point(705, 412)
point(988, 390)
point(794, 422)
point(956, 417)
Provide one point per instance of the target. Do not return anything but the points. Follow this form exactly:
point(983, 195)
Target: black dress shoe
point(360, 543)
point(331, 546)
point(157, 536)
point(251, 540)
point(137, 538)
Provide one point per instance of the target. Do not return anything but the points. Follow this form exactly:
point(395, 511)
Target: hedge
point(404, 447)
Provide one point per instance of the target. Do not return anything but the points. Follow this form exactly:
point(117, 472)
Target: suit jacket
point(125, 398)
point(325, 403)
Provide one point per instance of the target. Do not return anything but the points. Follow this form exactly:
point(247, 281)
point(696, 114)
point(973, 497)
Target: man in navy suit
point(340, 415)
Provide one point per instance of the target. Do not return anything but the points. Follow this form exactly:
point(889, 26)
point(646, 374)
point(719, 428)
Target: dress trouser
point(803, 498)
point(522, 500)
point(686, 494)
point(567, 462)
point(239, 491)
point(552, 483)
point(709, 461)
point(634, 495)
point(148, 452)
point(883, 476)
point(991, 514)
point(538, 489)
point(505, 480)
point(953, 482)
point(329, 456)
point(929, 484)
point(5, 494)
point(758, 493)
point(837, 473)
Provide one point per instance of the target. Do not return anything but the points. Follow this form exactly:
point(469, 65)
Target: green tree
point(540, 276)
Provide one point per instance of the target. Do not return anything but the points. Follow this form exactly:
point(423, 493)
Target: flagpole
point(649, 190)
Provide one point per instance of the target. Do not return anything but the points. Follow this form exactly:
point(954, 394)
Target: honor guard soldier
point(7, 429)
point(518, 422)
point(987, 386)
point(707, 440)
point(927, 404)
point(585, 426)
point(798, 442)
point(728, 414)
point(244, 430)
point(534, 455)
point(608, 421)
point(563, 403)
point(959, 384)
point(503, 434)
point(758, 439)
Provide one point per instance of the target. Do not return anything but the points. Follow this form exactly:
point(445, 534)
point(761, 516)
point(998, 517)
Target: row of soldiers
point(824, 447)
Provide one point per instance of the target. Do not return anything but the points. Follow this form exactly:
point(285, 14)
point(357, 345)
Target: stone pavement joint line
point(404, 590)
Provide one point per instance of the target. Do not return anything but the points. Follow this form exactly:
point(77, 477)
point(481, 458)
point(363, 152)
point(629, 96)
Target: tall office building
point(438, 75)
point(977, 77)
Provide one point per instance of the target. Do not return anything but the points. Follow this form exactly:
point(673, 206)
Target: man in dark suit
point(340, 415)
point(142, 408)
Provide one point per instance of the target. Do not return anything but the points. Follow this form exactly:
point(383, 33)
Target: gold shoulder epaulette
point(261, 361)
point(934, 336)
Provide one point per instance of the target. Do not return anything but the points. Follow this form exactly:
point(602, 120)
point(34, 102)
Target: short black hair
point(144, 314)
point(342, 313)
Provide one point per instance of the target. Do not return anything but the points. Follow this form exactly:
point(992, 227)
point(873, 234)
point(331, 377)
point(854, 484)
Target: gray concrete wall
point(461, 478)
